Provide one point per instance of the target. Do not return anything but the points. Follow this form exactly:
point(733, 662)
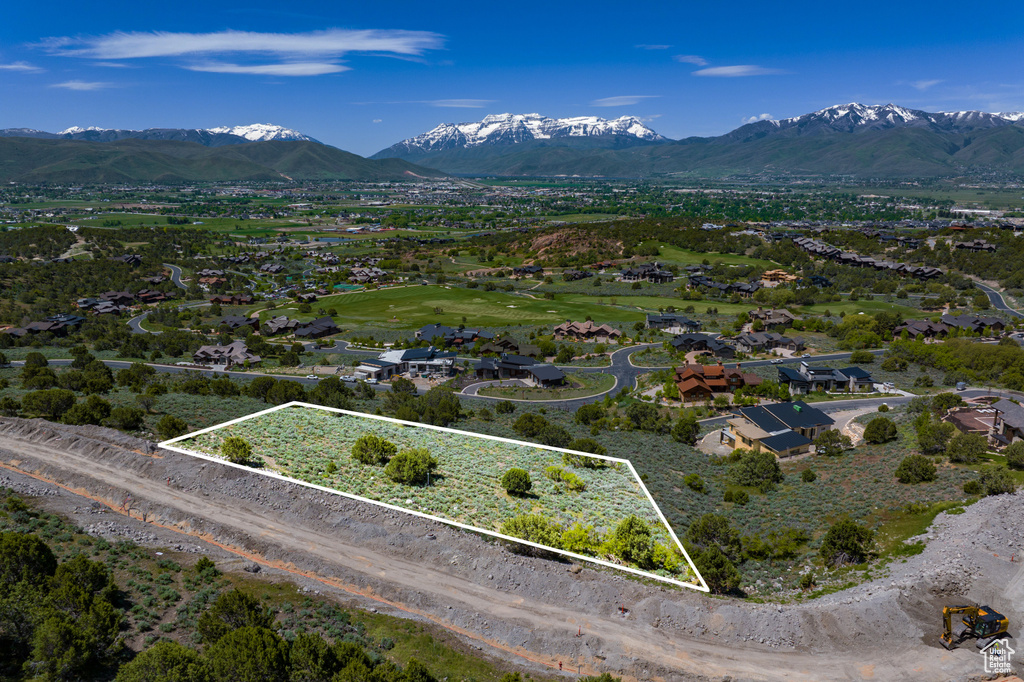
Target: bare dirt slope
point(534, 608)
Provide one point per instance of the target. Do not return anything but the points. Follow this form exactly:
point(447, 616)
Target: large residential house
point(526, 270)
point(232, 299)
point(318, 328)
point(650, 272)
point(773, 318)
point(379, 370)
point(973, 323)
point(673, 324)
point(687, 343)
point(234, 322)
point(279, 325)
point(223, 357)
point(428, 360)
point(586, 331)
point(976, 245)
point(778, 277)
point(762, 342)
point(784, 429)
point(507, 344)
point(527, 370)
point(699, 382)
point(58, 325)
point(921, 329)
point(1009, 420)
point(450, 336)
point(807, 379)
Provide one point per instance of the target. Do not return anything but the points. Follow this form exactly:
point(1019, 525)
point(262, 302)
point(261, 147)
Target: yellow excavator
point(982, 622)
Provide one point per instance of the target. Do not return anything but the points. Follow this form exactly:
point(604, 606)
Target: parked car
point(777, 361)
point(372, 381)
point(806, 355)
point(312, 376)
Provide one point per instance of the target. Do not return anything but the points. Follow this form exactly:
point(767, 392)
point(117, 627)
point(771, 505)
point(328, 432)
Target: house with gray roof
point(784, 429)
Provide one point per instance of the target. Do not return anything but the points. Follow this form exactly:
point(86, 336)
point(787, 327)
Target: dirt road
point(527, 607)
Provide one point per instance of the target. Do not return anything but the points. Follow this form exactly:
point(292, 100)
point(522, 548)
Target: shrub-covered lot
point(466, 486)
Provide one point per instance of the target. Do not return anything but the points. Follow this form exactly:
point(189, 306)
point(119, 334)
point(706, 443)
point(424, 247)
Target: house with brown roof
point(235, 353)
point(586, 331)
point(921, 329)
point(699, 382)
point(773, 318)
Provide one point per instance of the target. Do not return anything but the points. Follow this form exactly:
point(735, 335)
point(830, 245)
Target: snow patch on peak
point(260, 132)
point(79, 129)
point(495, 129)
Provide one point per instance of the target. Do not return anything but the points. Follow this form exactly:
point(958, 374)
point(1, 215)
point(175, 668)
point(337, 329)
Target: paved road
point(997, 300)
point(135, 324)
point(176, 275)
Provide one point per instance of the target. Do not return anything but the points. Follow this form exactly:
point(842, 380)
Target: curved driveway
point(176, 276)
point(998, 302)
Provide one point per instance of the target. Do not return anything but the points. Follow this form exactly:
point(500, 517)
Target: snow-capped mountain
point(211, 137)
point(854, 117)
point(509, 129)
point(261, 132)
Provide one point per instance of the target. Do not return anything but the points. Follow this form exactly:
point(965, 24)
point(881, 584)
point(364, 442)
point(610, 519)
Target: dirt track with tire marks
point(533, 609)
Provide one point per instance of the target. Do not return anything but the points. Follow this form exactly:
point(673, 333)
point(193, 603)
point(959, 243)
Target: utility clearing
point(576, 504)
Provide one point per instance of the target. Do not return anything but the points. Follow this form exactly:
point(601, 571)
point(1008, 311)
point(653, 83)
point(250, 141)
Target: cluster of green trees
point(410, 467)
point(999, 364)
point(631, 541)
point(58, 620)
point(438, 406)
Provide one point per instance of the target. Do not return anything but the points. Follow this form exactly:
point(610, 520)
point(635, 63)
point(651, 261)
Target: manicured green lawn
point(674, 254)
point(413, 306)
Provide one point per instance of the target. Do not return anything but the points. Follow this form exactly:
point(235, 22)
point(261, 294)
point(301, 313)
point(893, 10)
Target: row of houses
point(705, 283)
point(828, 252)
point(115, 302)
point(58, 325)
point(672, 323)
point(450, 336)
point(926, 329)
point(649, 272)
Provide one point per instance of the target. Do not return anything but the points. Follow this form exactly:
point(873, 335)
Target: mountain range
point(132, 160)
point(854, 140)
point(513, 129)
point(849, 139)
point(208, 137)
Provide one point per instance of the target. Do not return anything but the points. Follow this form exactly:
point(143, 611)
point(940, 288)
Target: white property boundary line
point(703, 587)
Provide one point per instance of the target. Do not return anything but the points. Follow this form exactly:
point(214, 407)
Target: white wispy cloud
point(652, 47)
point(20, 66)
point(82, 85)
point(923, 85)
point(458, 103)
point(690, 59)
point(281, 69)
point(755, 119)
point(378, 120)
point(621, 100)
point(737, 71)
point(293, 54)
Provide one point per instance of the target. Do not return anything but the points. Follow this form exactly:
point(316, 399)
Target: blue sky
point(363, 75)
